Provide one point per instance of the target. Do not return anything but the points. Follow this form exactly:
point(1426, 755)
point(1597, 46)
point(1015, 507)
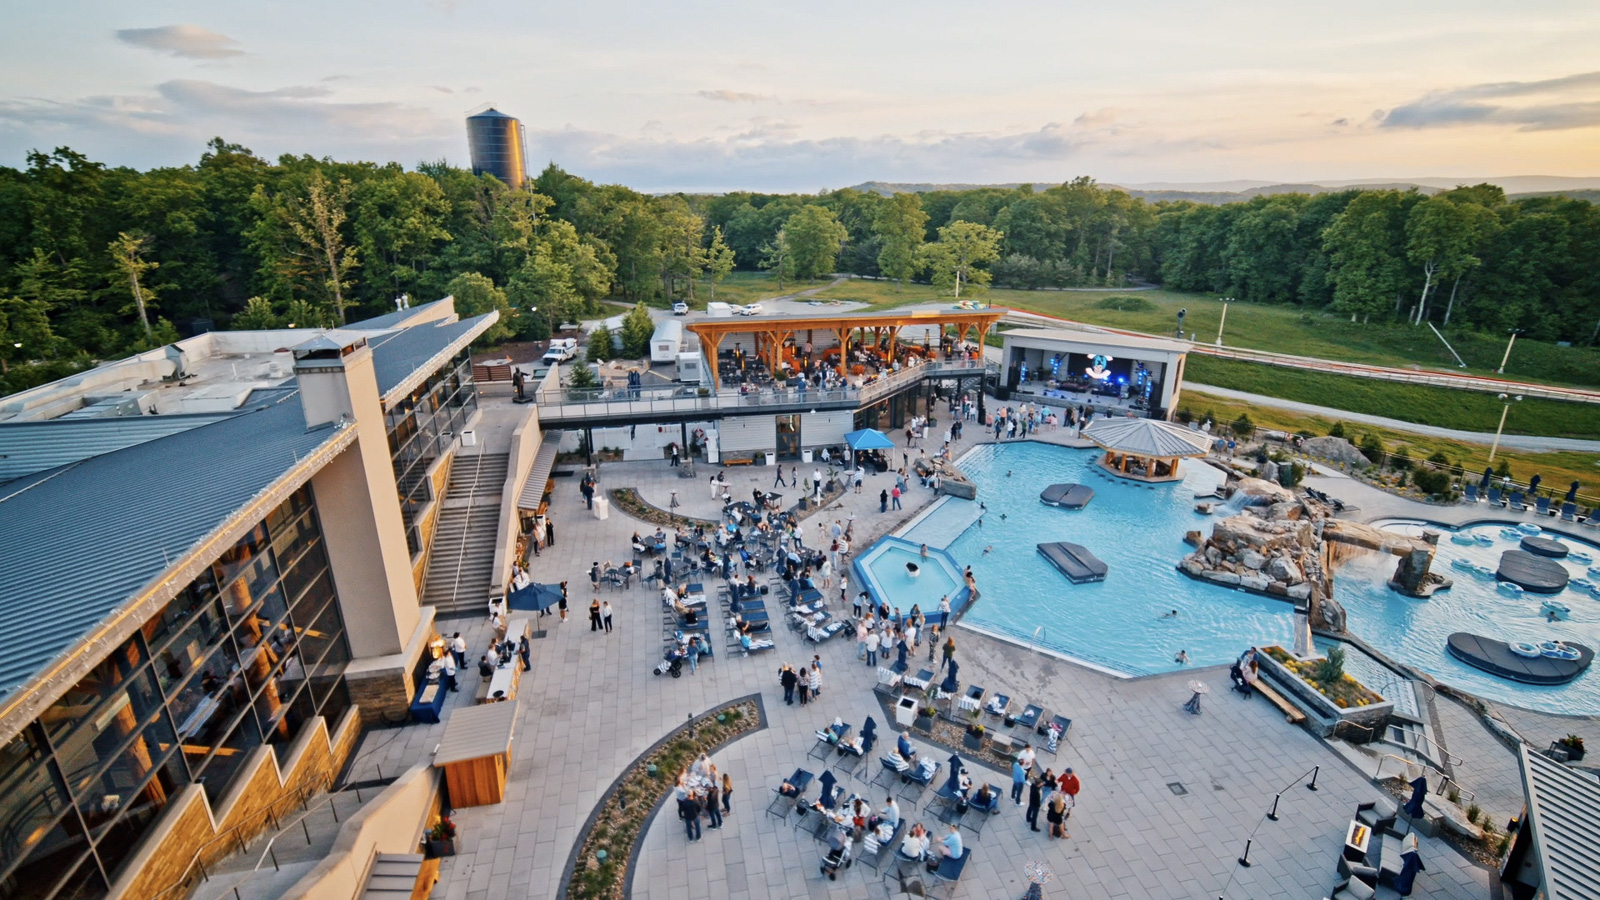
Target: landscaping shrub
point(1337, 430)
point(1242, 426)
point(1126, 304)
point(1372, 448)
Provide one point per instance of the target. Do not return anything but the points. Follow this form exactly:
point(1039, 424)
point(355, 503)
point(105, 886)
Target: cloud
point(187, 41)
point(1572, 101)
point(734, 96)
point(1340, 123)
point(1098, 118)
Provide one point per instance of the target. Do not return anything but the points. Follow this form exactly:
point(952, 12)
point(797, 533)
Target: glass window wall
point(420, 427)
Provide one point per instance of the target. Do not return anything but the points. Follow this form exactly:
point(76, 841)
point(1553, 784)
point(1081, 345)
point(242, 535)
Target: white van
point(561, 350)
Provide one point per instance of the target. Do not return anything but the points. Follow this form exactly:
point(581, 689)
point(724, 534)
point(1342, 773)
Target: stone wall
point(261, 793)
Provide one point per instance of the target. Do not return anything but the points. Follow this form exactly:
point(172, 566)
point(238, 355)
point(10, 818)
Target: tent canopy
point(1147, 437)
point(868, 439)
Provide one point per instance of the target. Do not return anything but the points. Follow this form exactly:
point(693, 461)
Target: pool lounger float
point(1483, 571)
point(1507, 587)
point(1579, 556)
point(1512, 534)
point(1462, 537)
point(1483, 540)
point(1462, 563)
point(1529, 528)
point(1583, 585)
point(1561, 663)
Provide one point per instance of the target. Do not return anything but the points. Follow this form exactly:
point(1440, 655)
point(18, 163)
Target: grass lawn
point(1423, 404)
point(1558, 468)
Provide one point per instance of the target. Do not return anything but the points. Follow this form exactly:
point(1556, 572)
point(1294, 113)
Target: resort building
point(1096, 368)
point(212, 555)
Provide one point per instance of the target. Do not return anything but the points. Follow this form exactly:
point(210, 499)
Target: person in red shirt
point(1070, 786)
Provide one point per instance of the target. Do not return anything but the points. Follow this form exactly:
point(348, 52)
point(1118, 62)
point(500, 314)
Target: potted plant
point(973, 739)
point(925, 716)
point(1573, 745)
point(441, 839)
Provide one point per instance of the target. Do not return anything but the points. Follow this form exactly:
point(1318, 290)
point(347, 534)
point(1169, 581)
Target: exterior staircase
point(461, 562)
point(267, 866)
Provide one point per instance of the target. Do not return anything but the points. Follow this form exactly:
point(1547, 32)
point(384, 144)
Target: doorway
point(788, 428)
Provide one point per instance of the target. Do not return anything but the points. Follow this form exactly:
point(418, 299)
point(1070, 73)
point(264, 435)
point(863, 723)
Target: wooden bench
point(738, 461)
point(1291, 713)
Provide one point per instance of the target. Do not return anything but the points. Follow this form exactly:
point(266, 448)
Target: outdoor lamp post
point(1507, 358)
point(1181, 313)
point(1507, 400)
point(1224, 319)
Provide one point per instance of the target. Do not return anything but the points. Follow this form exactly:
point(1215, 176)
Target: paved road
point(1518, 441)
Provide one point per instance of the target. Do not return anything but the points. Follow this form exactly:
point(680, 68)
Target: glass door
point(788, 436)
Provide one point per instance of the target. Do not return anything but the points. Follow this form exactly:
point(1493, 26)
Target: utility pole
point(1507, 401)
point(1507, 358)
point(1224, 321)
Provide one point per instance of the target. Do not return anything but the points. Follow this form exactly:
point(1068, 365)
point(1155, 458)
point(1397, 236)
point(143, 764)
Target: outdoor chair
point(1029, 720)
point(920, 682)
point(950, 805)
point(916, 784)
point(979, 814)
point(1542, 504)
point(888, 776)
point(950, 869)
point(1472, 493)
point(1495, 497)
point(1062, 724)
point(875, 852)
point(780, 805)
point(1568, 511)
point(847, 762)
point(888, 681)
point(1516, 504)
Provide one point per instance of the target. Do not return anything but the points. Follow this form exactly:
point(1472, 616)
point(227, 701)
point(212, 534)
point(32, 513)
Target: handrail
point(298, 796)
point(1445, 781)
point(267, 851)
point(1034, 640)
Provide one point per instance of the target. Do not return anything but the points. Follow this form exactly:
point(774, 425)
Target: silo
point(496, 143)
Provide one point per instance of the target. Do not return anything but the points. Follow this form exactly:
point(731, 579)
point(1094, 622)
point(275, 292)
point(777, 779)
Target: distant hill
point(1217, 193)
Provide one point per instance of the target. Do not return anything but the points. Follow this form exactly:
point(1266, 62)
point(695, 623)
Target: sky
point(715, 95)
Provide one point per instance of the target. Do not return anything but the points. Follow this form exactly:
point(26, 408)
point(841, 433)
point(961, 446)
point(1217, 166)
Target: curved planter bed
point(616, 826)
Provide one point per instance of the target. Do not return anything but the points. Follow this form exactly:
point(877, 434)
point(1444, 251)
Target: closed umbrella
point(950, 684)
point(901, 659)
point(953, 786)
point(1572, 493)
point(1410, 865)
point(869, 735)
point(1533, 485)
point(828, 782)
point(1488, 476)
point(1419, 792)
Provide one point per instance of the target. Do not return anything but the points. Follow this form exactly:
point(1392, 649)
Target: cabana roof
point(1147, 437)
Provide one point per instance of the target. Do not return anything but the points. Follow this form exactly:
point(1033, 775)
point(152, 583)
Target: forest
point(97, 261)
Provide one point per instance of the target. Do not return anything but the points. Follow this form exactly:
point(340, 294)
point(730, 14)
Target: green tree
point(600, 346)
point(683, 255)
point(581, 377)
point(399, 220)
point(776, 258)
point(257, 315)
point(719, 259)
point(900, 225)
point(812, 238)
point(955, 259)
point(300, 238)
point(128, 254)
point(637, 327)
point(303, 313)
point(1440, 237)
point(476, 295)
point(24, 331)
point(1365, 246)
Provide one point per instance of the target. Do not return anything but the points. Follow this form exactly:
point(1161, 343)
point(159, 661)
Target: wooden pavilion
point(1145, 449)
point(877, 331)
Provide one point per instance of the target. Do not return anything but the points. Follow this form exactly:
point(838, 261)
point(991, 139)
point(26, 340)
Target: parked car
point(561, 350)
point(750, 309)
point(680, 308)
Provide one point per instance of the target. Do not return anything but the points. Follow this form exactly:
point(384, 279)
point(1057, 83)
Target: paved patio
point(590, 705)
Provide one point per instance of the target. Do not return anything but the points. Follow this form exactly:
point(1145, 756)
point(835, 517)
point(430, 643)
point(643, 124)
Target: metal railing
point(1446, 783)
point(196, 859)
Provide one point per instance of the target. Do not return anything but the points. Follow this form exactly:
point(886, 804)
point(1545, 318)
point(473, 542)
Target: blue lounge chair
point(1568, 511)
point(1494, 497)
point(1029, 720)
point(1516, 504)
point(1061, 724)
point(1472, 493)
point(951, 867)
point(1542, 504)
point(915, 783)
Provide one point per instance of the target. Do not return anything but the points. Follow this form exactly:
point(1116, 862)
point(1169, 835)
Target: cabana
point(1145, 449)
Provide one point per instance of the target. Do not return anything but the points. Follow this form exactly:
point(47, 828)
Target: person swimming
point(988, 549)
point(1182, 658)
point(1170, 615)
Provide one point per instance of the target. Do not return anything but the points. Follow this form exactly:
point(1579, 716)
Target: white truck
point(719, 310)
point(561, 350)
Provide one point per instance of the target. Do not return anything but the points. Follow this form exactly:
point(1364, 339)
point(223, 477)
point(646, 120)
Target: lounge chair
point(1495, 498)
point(998, 705)
point(1029, 720)
point(875, 852)
point(951, 805)
point(917, 779)
point(1568, 511)
point(827, 739)
point(951, 867)
point(1061, 725)
point(1472, 493)
point(920, 682)
point(972, 699)
point(888, 681)
point(981, 812)
point(1515, 504)
point(1542, 505)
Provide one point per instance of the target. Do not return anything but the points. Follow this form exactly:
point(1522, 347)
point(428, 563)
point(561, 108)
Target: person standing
point(949, 652)
point(883, 501)
point(447, 673)
point(727, 793)
point(458, 648)
point(944, 612)
point(1019, 777)
point(714, 804)
point(788, 679)
point(802, 684)
point(816, 679)
point(861, 634)
point(522, 651)
point(895, 496)
point(1034, 788)
point(1056, 815)
point(594, 615)
point(1070, 785)
point(872, 648)
point(689, 812)
point(605, 615)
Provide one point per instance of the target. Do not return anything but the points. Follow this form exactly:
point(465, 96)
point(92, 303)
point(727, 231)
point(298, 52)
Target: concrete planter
point(1322, 715)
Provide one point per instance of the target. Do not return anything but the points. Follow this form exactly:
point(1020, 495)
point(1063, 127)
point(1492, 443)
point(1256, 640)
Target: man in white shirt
point(1026, 757)
point(872, 648)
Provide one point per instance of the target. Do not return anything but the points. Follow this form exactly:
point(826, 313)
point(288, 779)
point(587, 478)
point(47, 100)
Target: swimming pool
point(1414, 631)
point(1136, 529)
point(881, 569)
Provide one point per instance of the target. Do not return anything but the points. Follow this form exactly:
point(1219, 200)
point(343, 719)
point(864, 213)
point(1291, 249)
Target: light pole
point(1224, 320)
point(1181, 313)
point(1507, 358)
point(1507, 401)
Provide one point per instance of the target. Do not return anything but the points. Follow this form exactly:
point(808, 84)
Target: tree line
point(98, 261)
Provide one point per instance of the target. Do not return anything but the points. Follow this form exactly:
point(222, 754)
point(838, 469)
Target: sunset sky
point(718, 95)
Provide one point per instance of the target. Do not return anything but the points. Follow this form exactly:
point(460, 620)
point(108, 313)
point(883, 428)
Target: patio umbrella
point(1533, 484)
point(869, 735)
point(868, 439)
point(828, 781)
point(1410, 864)
point(1572, 493)
point(1488, 476)
point(1419, 791)
point(534, 597)
point(901, 659)
point(950, 683)
point(954, 785)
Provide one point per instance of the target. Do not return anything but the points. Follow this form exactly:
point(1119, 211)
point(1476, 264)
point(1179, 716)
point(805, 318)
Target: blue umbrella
point(950, 683)
point(828, 781)
point(1419, 791)
point(534, 597)
point(1410, 864)
point(869, 735)
point(1572, 493)
point(902, 657)
point(954, 785)
point(868, 439)
point(1488, 475)
point(1533, 485)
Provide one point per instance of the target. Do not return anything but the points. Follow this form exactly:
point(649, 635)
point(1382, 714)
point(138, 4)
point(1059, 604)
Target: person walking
point(1070, 785)
point(562, 605)
point(674, 448)
point(1019, 778)
point(727, 793)
point(778, 481)
point(594, 615)
point(788, 679)
point(458, 648)
point(1034, 788)
point(605, 615)
point(689, 812)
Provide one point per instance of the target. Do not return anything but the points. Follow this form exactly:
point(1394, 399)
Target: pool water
point(1414, 631)
point(885, 564)
point(1137, 530)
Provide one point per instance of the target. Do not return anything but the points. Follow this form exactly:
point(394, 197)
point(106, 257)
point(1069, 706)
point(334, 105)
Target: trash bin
point(905, 711)
point(805, 456)
point(602, 508)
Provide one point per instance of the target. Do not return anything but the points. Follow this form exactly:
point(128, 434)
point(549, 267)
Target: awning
point(1566, 830)
point(868, 439)
point(533, 488)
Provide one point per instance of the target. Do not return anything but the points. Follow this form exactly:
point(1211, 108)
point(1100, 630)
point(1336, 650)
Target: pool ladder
point(1033, 641)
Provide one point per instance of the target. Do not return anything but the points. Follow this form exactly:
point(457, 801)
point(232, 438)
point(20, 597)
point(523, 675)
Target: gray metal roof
point(1147, 437)
point(80, 540)
point(1564, 812)
point(396, 319)
point(398, 355)
point(539, 473)
point(473, 732)
point(28, 447)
